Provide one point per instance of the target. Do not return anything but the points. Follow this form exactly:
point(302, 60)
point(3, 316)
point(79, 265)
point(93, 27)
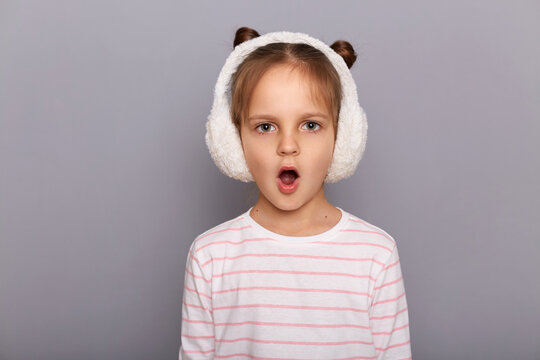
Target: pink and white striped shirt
point(250, 293)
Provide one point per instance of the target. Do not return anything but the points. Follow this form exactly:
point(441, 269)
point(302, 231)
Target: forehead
point(284, 90)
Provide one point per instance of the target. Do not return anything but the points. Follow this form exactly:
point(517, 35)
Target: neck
point(296, 220)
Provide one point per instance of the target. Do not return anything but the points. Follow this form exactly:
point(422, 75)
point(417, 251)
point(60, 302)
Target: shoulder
point(225, 231)
point(373, 235)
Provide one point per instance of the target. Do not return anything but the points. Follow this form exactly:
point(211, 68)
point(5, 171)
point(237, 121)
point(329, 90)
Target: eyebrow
point(304, 115)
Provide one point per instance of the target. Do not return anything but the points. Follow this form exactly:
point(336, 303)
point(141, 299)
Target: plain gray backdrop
point(105, 178)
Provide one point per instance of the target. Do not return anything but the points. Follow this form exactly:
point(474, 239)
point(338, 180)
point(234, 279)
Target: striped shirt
point(250, 293)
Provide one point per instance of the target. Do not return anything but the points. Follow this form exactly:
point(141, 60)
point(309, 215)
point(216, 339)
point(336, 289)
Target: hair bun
point(342, 47)
point(345, 50)
point(244, 34)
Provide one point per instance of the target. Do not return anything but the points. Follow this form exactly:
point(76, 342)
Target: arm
point(197, 335)
point(389, 318)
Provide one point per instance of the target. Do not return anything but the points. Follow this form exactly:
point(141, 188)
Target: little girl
point(293, 277)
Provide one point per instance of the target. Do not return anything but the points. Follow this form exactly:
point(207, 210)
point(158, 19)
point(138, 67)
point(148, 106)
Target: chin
point(286, 203)
point(289, 207)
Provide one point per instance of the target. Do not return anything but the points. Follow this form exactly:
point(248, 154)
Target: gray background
point(105, 179)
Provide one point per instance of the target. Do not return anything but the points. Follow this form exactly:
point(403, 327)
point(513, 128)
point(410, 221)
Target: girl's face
point(285, 127)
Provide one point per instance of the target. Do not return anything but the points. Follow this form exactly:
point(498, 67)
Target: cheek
point(321, 152)
point(256, 156)
point(320, 158)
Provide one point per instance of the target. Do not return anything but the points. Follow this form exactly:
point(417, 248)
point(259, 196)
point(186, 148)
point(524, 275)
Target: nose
point(288, 145)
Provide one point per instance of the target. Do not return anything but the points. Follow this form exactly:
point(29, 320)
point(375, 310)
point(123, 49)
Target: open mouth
point(288, 174)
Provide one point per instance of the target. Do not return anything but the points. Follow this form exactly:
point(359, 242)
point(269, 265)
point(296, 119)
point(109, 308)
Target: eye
point(264, 126)
point(315, 126)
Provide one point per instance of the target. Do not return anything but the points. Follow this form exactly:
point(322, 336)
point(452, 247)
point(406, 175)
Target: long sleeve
point(389, 318)
point(197, 334)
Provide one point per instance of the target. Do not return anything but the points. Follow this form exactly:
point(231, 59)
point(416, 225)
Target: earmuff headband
point(223, 138)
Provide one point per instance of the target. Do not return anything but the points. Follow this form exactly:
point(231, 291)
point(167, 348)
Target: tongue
point(287, 177)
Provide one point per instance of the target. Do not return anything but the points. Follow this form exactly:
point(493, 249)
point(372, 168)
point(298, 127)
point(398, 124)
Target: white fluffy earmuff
point(223, 138)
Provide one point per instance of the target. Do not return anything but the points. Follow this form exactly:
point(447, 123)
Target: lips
point(288, 178)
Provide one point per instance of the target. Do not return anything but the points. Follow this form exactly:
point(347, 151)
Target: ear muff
point(223, 138)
